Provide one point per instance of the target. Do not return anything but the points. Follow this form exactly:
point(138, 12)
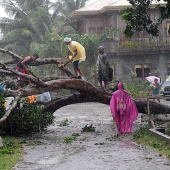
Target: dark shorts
point(101, 77)
point(22, 70)
point(76, 65)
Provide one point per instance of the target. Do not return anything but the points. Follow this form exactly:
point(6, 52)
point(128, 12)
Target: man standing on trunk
point(102, 67)
point(78, 52)
point(22, 67)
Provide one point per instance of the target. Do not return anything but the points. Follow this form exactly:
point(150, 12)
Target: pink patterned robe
point(123, 110)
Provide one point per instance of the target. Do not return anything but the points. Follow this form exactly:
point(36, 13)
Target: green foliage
point(26, 120)
point(111, 33)
point(10, 153)
point(89, 128)
point(11, 85)
point(162, 43)
point(141, 45)
point(101, 143)
point(138, 17)
point(137, 88)
point(8, 146)
point(164, 11)
point(144, 137)
point(2, 102)
point(75, 134)
point(69, 140)
point(129, 44)
point(141, 133)
point(30, 21)
point(65, 7)
point(64, 123)
point(167, 130)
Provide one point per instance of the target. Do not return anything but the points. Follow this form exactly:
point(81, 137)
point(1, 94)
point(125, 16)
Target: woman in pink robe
point(123, 110)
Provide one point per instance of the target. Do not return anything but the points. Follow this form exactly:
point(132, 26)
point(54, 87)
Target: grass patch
point(11, 153)
point(144, 137)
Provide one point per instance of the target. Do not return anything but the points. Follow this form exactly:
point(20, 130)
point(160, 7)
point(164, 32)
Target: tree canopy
point(138, 17)
point(34, 25)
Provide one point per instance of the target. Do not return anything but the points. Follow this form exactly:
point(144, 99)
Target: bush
point(25, 120)
point(137, 88)
point(2, 102)
point(167, 130)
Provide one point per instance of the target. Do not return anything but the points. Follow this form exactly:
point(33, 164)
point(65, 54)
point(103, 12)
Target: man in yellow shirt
point(78, 52)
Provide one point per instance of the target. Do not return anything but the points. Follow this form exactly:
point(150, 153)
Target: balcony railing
point(144, 44)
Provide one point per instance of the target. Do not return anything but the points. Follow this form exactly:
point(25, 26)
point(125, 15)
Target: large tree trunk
point(86, 91)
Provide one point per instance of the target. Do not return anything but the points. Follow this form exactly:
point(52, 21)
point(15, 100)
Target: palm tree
point(65, 7)
point(29, 22)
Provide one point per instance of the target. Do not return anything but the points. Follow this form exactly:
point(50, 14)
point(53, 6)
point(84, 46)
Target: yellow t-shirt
point(81, 55)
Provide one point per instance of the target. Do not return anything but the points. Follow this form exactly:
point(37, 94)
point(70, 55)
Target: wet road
point(100, 150)
point(166, 102)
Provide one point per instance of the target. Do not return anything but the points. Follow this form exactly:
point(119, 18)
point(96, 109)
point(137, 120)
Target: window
point(168, 69)
point(99, 30)
point(168, 29)
point(96, 30)
point(142, 70)
point(92, 30)
point(141, 34)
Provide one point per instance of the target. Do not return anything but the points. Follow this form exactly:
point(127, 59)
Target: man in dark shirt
point(102, 67)
point(115, 87)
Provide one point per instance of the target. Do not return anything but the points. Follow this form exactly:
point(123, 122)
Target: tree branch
point(13, 106)
point(13, 55)
point(34, 79)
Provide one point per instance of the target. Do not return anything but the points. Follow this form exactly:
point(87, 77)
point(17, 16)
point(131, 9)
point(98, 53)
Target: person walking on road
point(123, 110)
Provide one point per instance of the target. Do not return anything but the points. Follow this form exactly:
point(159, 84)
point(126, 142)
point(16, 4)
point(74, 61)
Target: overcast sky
point(2, 13)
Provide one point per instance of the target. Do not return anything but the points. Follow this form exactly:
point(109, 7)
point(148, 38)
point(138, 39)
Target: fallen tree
point(86, 91)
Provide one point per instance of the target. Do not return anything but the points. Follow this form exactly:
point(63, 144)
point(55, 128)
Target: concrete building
point(141, 54)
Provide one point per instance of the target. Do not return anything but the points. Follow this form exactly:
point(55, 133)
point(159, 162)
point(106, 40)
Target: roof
point(101, 6)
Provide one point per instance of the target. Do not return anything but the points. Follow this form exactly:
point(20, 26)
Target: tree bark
point(92, 94)
point(87, 92)
point(157, 117)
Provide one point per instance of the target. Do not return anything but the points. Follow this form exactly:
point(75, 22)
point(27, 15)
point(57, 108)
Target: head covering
point(120, 86)
point(67, 39)
point(101, 49)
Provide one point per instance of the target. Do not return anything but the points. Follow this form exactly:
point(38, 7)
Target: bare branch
point(14, 105)
point(49, 78)
point(8, 81)
point(34, 79)
point(13, 55)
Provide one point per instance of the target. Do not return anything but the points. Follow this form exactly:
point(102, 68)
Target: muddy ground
point(100, 150)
